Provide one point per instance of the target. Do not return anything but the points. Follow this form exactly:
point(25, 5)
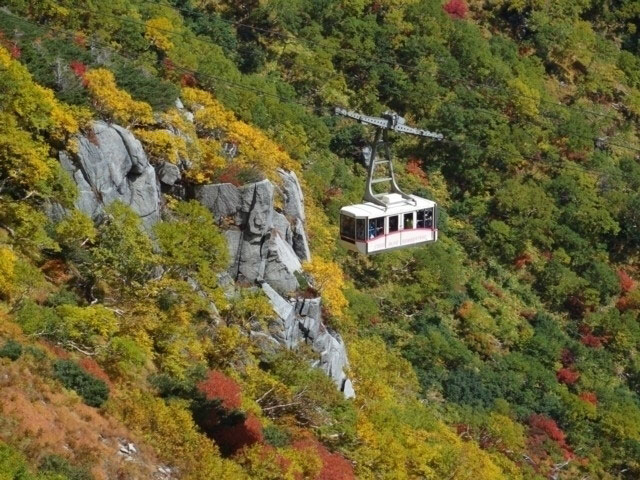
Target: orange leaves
point(589, 397)
point(56, 271)
point(414, 168)
point(626, 282)
point(90, 366)
point(568, 376)
point(630, 298)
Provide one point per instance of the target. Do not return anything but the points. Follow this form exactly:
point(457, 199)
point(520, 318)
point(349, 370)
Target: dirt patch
point(42, 418)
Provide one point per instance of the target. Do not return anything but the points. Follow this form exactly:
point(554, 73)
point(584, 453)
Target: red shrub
point(456, 8)
point(15, 51)
point(542, 429)
point(625, 303)
point(91, 367)
point(541, 424)
point(231, 438)
point(218, 386)
point(589, 397)
point(334, 465)
point(591, 340)
point(168, 64)
point(567, 376)
point(188, 80)
point(626, 282)
point(414, 168)
point(230, 175)
point(78, 68)
point(522, 261)
point(80, 39)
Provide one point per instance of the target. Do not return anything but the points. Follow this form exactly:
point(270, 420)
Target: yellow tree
point(116, 103)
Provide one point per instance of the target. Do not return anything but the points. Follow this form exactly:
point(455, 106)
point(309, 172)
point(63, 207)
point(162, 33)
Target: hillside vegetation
point(510, 349)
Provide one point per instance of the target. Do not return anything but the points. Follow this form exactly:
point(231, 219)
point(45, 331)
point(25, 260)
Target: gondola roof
point(395, 206)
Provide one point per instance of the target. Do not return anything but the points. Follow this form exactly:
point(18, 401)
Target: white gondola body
point(369, 228)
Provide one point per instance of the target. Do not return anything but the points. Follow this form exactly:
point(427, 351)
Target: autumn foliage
point(232, 438)
point(334, 465)
point(542, 426)
point(589, 397)
point(568, 376)
point(626, 282)
point(78, 68)
point(456, 8)
point(415, 169)
point(89, 365)
point(591, 340)
point(217, 386)
point(114, 102)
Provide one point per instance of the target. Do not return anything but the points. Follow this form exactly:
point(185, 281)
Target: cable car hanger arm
point(390, 121)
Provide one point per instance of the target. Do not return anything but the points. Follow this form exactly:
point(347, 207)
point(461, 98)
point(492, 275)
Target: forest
point(509, 349)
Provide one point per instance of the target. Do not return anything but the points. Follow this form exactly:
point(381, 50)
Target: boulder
point(222, 199)
point(282, 226)
point(292, 193)
point(281, 265)
point(299, 241)
point(294, 210)
point(168, 173)
point(111, 165)
point(300, 321)
point(249, 262)
point(281, 307)
point(266, 247)
point(261, 209)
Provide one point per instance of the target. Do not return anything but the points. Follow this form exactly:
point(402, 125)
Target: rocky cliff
point(267, 244)
point(111, 165)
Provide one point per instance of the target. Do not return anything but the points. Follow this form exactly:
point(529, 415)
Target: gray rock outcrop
point(111, 165)
point(222, 199)
point(168, 173)
point(264, 247)
point(300, 322)
point(267, 247)
point(293, 196)
point(293, 200)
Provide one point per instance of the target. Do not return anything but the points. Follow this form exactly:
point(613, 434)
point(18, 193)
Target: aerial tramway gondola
point(391, 220)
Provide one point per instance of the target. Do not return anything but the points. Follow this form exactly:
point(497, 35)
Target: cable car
point(369, 228)
point(392, 220)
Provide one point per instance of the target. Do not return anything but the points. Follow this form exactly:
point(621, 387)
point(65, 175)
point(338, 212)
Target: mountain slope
point(506, 350)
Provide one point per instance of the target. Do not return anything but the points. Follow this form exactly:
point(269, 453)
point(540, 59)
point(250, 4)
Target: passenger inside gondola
point(376, 227)
point(408, 221)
